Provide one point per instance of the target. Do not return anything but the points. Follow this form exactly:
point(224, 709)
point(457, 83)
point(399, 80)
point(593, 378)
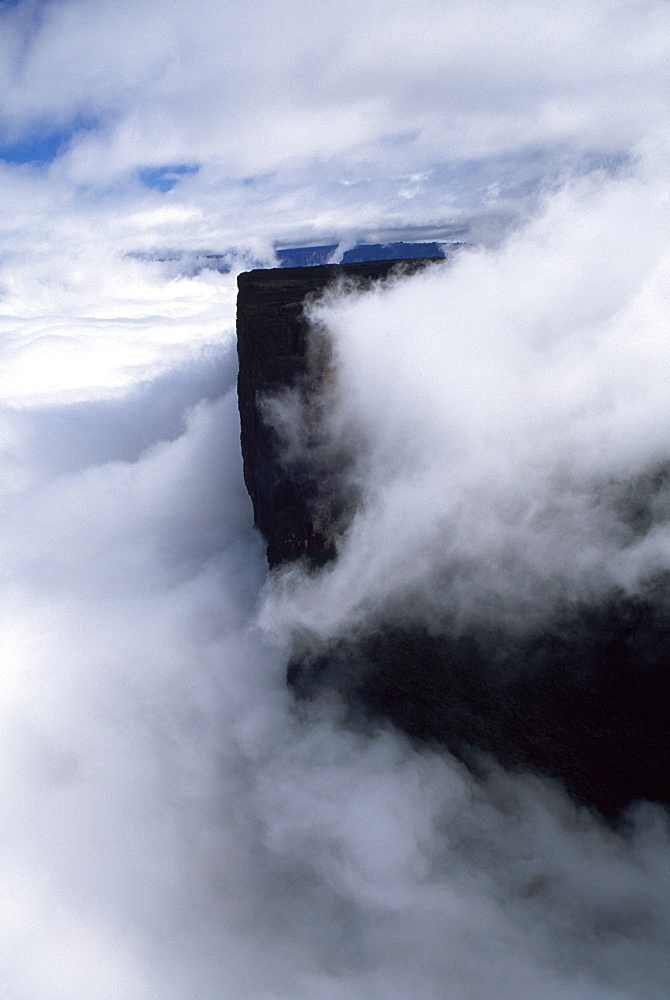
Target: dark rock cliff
point(297, 505)
point(586, 700)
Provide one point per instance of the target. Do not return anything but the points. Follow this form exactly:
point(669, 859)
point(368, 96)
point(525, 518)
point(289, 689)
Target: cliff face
point(586, 700)
point(298, 505)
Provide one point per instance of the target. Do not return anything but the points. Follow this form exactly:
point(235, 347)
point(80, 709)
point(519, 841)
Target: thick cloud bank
point(172, 824)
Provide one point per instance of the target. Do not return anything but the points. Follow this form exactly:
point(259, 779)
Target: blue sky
point(41, 149)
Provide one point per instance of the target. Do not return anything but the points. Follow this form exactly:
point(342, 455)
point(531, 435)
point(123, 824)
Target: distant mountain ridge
point(311, 256)
point(193, 262)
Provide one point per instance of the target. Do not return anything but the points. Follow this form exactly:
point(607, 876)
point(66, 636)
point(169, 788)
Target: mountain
point(583, 699)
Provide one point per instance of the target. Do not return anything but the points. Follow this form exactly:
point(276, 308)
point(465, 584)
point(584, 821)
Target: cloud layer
point(309, 125)
point(176, 826)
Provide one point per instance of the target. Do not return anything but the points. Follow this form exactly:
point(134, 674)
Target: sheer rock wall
point(298, 505)
point(585, 701)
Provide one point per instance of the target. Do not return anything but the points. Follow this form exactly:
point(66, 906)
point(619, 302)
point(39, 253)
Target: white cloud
point(351, 90)
point(176, 828)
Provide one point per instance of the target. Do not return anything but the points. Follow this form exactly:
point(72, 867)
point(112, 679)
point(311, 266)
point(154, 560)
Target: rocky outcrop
point(585, 700)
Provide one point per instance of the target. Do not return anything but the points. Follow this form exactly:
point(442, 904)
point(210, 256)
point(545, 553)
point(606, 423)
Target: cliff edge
point(298, 505)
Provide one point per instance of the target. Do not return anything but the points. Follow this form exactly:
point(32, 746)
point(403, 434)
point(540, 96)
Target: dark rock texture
point(585, 700)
